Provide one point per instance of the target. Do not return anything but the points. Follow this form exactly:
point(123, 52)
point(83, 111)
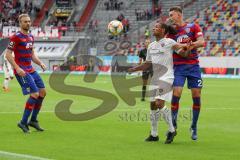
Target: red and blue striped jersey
point(22, 46)
point(188, 32)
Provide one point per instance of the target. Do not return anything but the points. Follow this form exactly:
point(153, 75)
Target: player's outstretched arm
point(11, 60)
point(199, 36)
point(36, 60)
point(181, 49)
point(197, 44)
point(141, 67)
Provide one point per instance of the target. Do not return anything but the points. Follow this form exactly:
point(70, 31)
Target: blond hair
point(22, 15)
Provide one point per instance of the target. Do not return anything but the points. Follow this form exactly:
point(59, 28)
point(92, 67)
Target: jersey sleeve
point(171, 43)
point(12, 43)
point(197, 31)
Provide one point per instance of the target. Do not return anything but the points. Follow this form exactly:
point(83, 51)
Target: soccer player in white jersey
point(159, 55)
point(8, 74)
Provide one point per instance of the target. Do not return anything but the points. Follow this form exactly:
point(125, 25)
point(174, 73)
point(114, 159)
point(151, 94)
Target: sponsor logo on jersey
point(183, 39)
point(11, 45)
point(199, 33)
point(29, 45)
point(187, 30)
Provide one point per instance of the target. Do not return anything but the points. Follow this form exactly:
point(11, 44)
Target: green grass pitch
point(120, 134)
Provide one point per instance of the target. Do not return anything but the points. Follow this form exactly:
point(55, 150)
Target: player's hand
point(183, 51)
point(43, 66)
point(190, 46)
point(20, 72)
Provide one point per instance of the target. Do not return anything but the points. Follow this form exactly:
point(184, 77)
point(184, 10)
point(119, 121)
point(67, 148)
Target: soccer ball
point(115, 27)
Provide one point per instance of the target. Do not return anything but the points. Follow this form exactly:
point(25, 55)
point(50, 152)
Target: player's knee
point(35, 95)
point(153, 106)
point(177, 91)
point(196, 92)
point(159, 103)
point(42, 93)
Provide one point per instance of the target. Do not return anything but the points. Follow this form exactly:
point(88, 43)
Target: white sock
point(154, 117)
point(167, 116)
point(5, 83)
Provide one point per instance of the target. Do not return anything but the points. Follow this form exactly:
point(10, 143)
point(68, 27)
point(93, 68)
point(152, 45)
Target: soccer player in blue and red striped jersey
point(186, 67)
point(21, 44)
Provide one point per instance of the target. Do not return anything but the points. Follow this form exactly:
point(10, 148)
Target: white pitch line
point(20, 156)
point(132, 109)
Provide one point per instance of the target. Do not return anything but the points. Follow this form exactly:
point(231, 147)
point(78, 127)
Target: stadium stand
point(113, 5)
point(10, 9)
point(43, 13)
point(80, 26)
point(220, 23)
point(86, 14)
point(129, 21)
point(141, 15)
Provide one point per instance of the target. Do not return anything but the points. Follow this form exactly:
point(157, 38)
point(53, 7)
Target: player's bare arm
point(182, 49)
point(36, 60)
point(198, 44)
point(142, 67)
point(11, 60)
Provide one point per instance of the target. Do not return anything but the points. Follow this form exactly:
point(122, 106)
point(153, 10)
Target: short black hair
point(168, 29)
point(176, 8)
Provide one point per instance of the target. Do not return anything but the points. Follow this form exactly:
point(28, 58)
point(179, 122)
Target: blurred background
point(72, 35)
